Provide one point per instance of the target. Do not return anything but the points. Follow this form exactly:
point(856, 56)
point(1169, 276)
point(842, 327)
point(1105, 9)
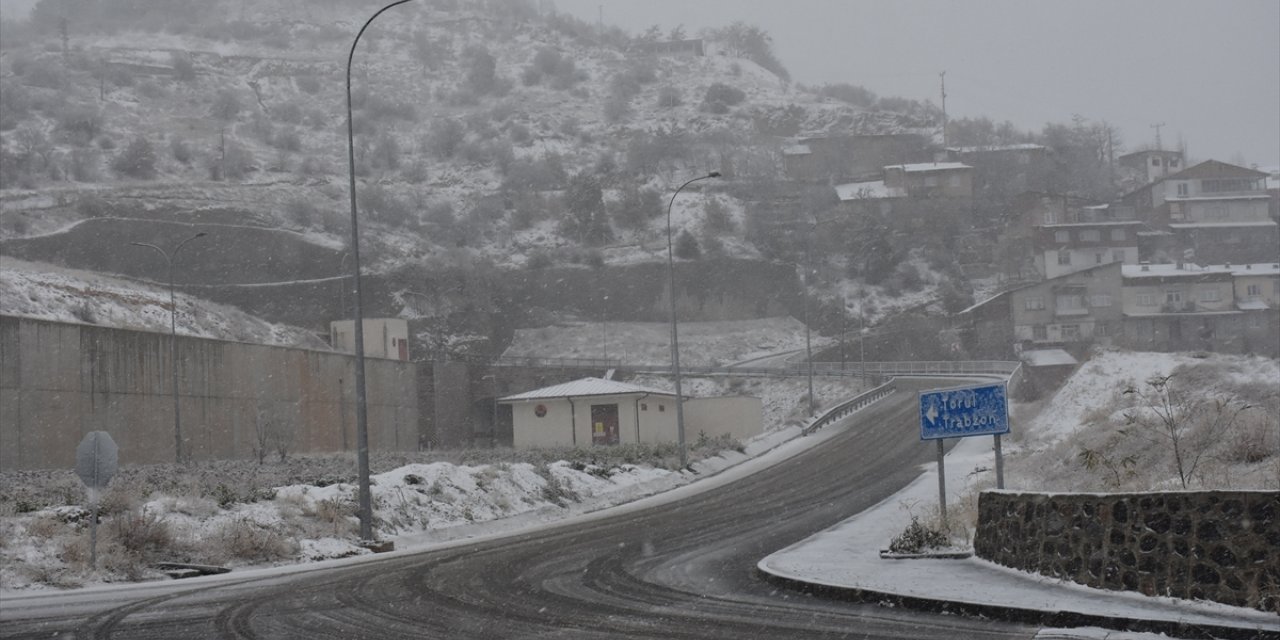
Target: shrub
point(140, 533)
point(244, 539)
point(308, 84)
point(720, 97)
point(687, 246)
point(669, 97)
point(138, 160)
point(180, 149)
point(443, 138)
point(917, 538)
point(183, 68)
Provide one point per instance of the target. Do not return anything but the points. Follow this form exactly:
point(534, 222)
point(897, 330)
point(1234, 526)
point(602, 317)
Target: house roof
point(1222, 225)
point(1049, 281)
point(796, 150)
point(1145, 152)
point(1255, 269)
point(1215, 169)
point(1242, 196)
point(929, 166)
point(1186, 270)
point(1252, 305)
point(584, 387)
point(873, 190)
point(1026, 146)
point(1047, 358)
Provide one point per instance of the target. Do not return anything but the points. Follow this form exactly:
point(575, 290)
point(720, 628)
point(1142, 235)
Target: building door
point(604, 424)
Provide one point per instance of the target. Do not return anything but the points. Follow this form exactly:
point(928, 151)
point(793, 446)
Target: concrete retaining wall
point(1211, 545)
point(59, 381)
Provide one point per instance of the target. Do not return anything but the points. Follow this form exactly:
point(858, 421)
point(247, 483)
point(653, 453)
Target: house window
point(1039, 332)
point(661, 408)
point(1097, 258)
point(1209, 295)
point(1070, 301)
point(1100, 330)
point(644, 406)
point(1255, 290)
point(1090, 235)
point(1227, 184)
point(1182, 188)
point(1064, 257)
point(1155, 162)
point(931, 181)
point(1117, 255)
point(1117, 234)
point(1173, 297)
point(1173, 162)
point(1218, 211)
point(1146, 300)
point(1062, 236)
point(1051, 217)
point(1070, 332)
point(1100, 300)
point(1034, 303)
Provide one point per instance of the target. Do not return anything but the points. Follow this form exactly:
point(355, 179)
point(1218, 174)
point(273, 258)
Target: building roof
point(1215, 169)
point(1238, 196)
point(585, 387)
point(872, 190)
point(1221, 225)
point(1255, 269)
point(796, 150)
point(1252, 305)
point(1047, 358)
point(1026, 146)
point(929, 166)
point(1187, 269)
point(1144, 152)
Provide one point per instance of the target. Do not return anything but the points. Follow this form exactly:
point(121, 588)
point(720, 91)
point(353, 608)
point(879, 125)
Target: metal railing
point(859, 369)
point(852, 404)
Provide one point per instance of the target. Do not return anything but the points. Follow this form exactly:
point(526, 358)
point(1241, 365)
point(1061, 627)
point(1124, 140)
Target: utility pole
point(943, 78)
point(1159, 146)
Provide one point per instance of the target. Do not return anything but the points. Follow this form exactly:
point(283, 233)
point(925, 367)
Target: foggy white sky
point(1209, 69)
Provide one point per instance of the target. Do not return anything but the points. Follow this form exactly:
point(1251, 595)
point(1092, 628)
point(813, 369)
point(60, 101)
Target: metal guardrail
point(849, 406)
point(860, 369)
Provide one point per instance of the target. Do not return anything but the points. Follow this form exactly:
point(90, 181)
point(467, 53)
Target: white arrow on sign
point(932, 413)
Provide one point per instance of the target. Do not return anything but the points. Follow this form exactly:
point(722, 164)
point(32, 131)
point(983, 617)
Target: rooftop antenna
point(1156, 126)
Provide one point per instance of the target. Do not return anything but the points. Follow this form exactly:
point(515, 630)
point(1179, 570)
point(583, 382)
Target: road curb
point(1177, 629)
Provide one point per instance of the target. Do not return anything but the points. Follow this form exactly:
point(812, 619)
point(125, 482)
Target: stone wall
point(1206, 545)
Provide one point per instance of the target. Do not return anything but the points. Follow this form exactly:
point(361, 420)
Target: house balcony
point(1071, 311)
point(1178, 307)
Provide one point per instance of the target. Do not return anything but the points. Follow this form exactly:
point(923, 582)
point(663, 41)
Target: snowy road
point(683, 569)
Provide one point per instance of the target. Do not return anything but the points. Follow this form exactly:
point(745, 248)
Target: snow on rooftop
point(584, 387)
point(1167, 270)
point(1252, 305)
point(1047, 358)
point(929, 166)
point(1026, 146)
point(871, 190)
point(1241, 196)
point(1221, 225)
point(796, 150)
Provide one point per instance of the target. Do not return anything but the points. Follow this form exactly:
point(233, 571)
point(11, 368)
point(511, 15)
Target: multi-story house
point(1002, 171)
point(1054, 235)
point(1175, 307)
point(1257, 293)
point(1214, 212)
point(1071, 312)
point(837, 158)
point(931, 179)
point(1150, 165)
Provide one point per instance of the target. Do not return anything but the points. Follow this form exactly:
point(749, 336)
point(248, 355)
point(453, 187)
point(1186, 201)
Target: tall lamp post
point(362, 407)
point(675, 342)
point(169, 258)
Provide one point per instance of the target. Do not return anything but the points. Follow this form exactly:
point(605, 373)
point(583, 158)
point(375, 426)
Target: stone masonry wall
point(1210, 545)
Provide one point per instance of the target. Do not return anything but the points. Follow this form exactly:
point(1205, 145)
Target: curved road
point(679, 570)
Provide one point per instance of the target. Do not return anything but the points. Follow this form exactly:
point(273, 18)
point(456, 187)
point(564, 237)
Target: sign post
point(97, 457)
point(963, 412)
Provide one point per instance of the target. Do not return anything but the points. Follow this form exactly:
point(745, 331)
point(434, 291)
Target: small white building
point(383, 337)
point(594, 411)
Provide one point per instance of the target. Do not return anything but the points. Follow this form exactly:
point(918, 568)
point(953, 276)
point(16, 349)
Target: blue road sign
point(960, 412)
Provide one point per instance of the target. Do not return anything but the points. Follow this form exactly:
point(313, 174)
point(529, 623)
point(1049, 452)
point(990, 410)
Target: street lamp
point(169, 258)
point(362, 406)
point(675, 343)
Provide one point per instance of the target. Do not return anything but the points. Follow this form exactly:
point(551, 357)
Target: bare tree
point(1187, 419)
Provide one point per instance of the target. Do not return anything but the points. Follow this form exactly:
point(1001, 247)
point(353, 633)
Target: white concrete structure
point(383, 337)
point(594, 411)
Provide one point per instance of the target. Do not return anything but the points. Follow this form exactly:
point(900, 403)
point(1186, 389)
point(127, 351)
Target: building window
point(1070, 332)
point(1039, 332)
point(1100, 330)
point(1182, 188)
point(1097, 258)
point(1255, 321)
point(1173, 297)
point(644, 406)
point(1100, 300)
point(1035, 303)
point(1173, 162)
point(1218, 211)
point(1064, 257)
point(1090, 235)
point(931, 181)
point(1062, 236)
point(1051, 217)
point(1117, 234)
point(1146, 300)
point(1226, 184)
point(1255, 290)
point(1117, 255)
point(1209, 295)
point(1155, 162)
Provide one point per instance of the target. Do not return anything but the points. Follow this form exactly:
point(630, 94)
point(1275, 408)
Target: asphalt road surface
point(680, 570)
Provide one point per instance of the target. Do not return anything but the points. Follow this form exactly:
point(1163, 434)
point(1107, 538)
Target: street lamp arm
point(152, 246)
point(198, 235)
